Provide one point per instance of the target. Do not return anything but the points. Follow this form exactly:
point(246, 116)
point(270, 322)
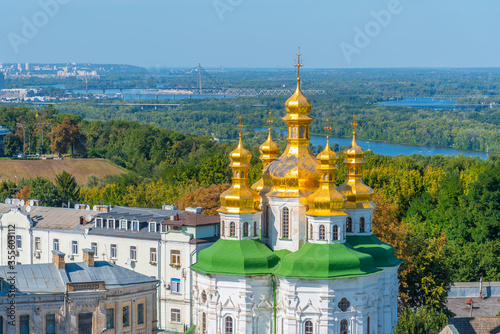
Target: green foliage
point(13, 144)
point(45, 191)
point(425, 320)
point(67, 186)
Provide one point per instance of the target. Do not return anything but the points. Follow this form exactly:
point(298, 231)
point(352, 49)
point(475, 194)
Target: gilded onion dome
point(240, 198)
point(269, 151)
point(294, 173)
point(358, 194)
point(326, 200)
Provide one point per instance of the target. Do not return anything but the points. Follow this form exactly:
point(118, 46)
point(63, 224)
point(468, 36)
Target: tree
point(67, 186)
point(13, 144)
point(45, 191)
point(425, 320)
point(207, 198)
point(214, 170)
point(24, 193)
point(64, 136)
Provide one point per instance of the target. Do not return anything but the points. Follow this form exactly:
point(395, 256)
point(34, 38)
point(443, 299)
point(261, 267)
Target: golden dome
point(326, 200)
point(269, 151)
point(240, 198)
point(358, 194)
point(295, 173)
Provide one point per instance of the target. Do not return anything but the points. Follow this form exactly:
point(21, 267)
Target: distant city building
point(2, 81)
point(88, 296)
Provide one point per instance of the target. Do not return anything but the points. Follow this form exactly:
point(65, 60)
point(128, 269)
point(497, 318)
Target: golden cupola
point(326, 200)
point(240, 198)
point(269, 151)
point(358, 194)
point(294, 173)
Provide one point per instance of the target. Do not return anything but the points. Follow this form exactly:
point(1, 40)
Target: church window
point(232, 229)
point(321, 232)
point(344, 327)
point(335, 232)
point(308, 327)
point(311, 231)
point(301, 132)
point(203, 296)
point(286, 224)
point(352, 171)
point(245, 229)
point(356, 172)
point(223, 232)
point(344, 304)
point(237, 175)
point(362, 224)
point(255, 232)
point(266, 222)
point(242, 174)
point(330, 177)
point(294, 132)
point(349, 224)
point(229, 325)
point(203, 322)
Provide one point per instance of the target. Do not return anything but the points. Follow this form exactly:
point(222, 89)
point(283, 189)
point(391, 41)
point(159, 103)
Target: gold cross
point(269, 122)
point(327, 128)
point(299, 64)
point(240, 126)
point(354, 124)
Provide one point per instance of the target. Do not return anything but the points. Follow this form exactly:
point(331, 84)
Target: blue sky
point(253, 33)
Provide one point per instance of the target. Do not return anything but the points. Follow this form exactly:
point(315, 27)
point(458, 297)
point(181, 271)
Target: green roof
point(326, 261)
point(236, 257)
point(382, 253)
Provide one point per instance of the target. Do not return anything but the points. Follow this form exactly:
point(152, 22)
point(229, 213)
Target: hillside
point(80, 168)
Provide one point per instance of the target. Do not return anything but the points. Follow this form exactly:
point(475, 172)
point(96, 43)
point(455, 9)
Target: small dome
point(269, 150)
point(240, 157)
point(298, 103)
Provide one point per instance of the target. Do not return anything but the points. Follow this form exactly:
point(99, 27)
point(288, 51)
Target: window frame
point(321, 232)
point(95, 249)
point(228, 325)
point(348, 224)
point(245, 229)
point(113, 248)
point(152, 230)
point(128, 315)
point(362, 225)
point(335, 233)
point(112, 317)
point(140, 324)
point(285, 223)
point(24, 319)
point(232, 229)
point(175, 285)
point(74, 246)
point(308, 327)
point(175, 257)
point(53, 315)
point(19, 242)
point(38, 244)
point(177, 313)
point(55, 242)
point(151, 253)
point(133, 253)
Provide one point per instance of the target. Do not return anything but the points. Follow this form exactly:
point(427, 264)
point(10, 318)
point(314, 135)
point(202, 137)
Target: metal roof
point(34, 278)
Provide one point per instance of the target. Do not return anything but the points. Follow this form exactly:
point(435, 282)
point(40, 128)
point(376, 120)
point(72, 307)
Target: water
point(392, 149)
point(421, 102)
point(133, 96)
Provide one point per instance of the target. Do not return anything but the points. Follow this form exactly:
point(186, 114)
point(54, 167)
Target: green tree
point(214, 170)
point(64, 136)
point(425, 320)
point(67, 186)
point(13, 144)
point(45, 191)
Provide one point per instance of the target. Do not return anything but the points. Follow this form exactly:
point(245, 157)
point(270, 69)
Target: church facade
point(296, 253)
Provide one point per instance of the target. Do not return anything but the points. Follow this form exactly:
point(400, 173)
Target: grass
point(80, 168)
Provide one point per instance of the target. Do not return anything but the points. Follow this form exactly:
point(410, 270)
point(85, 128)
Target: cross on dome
point(240, 126)
point(298, 65)
point(354, 124)
point(269, 122)
point(327, 128)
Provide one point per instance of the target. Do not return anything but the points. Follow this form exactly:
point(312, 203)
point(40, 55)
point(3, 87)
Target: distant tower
point(28, 67)
point(2, 81)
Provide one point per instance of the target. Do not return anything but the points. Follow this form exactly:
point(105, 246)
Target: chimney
point(101, 208)
point(88, 256)
point(58, 259)
point(82, 220)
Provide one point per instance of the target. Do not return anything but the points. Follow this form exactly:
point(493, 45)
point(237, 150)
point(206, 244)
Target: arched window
point(242, 174)
point(255, 232)
point(321, 232)
point(203, 322)
point(311, 231)
point(222, 227)
point(362, 224)
point(301, 132)
point(294, 132)
point(266, 222)
point(348, 222)
point(351, 171)
point(356, 172)
point(308, 327)
point(229, 325)
point(237, 175)
point(344, 327)
point(203, 296)
point(335, 232)
point(286, 224)
point(245, 229)
point(232, 229)
point(330, 177)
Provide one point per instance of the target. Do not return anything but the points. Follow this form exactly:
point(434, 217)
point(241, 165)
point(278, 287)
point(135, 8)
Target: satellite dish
point(129, 261)
point(88, 218)
point(28, 208)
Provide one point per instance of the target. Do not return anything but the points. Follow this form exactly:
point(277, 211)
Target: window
point(321, 232)
point(348, 222)
point(266, 221)
point(126, 316)
point(335, 232)
point(362, 224)
point(152, 255)
point(152, 227)
point(110, 318)
point(19, 242)
point(55, 244)
point(229, 325)
point(24, 324)
point(308, 327)
point(111, 223)
point(74, 247)
point(255, 231)
point(175, 315)
point(344, 304)
point(38, 244)
point(286, 226)
point(112, 251)
point(368, 325)
point(50, 324)
point(140, 314)
point(93, 246)
point(175, 258)
point(123, 224)
point(133, 253)
point(245, 229)
point(311, 231)
point(222, 229)
point(85, 323)
point(203, 322)
point(343, 327)
point(176, 285)
point(301, 132)
point(203, 296)
point(232, 229)
point(135, 225)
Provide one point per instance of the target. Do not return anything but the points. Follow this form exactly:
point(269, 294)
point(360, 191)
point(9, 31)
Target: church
point(296, 253)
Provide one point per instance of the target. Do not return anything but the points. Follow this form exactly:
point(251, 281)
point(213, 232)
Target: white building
point(299, 256)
